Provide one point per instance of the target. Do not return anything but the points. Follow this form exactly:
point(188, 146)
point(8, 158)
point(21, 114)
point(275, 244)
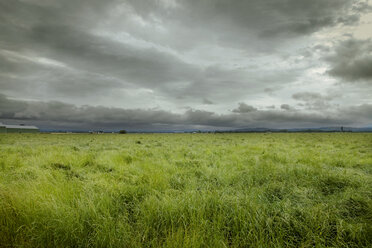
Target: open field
point(186, 190)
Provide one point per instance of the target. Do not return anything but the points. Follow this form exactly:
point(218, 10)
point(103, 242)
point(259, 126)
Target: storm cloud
point(93, 117)
point(182, 64)
point(244, 108)
point(352, 60)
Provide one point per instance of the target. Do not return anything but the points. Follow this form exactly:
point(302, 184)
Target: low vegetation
point(186, 190)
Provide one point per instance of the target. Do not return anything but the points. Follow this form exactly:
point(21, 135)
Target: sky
point(185, 64)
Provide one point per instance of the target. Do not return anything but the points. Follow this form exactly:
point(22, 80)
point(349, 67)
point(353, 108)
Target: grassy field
point(186, 190)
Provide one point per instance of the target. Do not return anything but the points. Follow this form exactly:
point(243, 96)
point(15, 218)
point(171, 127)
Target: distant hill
point(240, 130)
point(320, 129)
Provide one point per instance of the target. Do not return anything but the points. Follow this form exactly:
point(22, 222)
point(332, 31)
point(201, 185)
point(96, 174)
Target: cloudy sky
point(185, 64)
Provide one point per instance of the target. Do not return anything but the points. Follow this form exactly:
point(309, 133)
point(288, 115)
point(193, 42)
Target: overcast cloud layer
point(185, 64)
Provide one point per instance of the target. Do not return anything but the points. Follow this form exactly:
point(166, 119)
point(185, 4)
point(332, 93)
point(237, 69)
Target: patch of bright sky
point(364, 29)
point(361, 31)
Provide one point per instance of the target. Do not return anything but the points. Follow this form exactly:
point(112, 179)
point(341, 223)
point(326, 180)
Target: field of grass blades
point(186, 190)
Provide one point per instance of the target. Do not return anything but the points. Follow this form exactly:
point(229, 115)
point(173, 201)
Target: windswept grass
point(186, 190)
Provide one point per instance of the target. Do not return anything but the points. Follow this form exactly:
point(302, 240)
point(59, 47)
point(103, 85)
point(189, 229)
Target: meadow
point(186, 190)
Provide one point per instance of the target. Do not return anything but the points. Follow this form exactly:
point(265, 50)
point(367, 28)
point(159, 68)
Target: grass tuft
point(186, 190)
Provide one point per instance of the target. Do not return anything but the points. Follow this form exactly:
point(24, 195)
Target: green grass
point(186, 190)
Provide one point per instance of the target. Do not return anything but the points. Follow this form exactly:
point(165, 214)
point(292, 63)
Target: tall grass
point(186, 190)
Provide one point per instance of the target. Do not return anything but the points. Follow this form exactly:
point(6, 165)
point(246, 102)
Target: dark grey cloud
point(24, 74)
point(208, 54)
point(231, 23)
point(310, 96)
point(287, 107)
point(314, 101)
point(207, 101)
point(360, 111)
point(352, 60)
point(88, 52)
point(68, 116)
point(244, 108)
point(50, 114)
point(225, 84)
point(62, 31)
point(238, 22)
